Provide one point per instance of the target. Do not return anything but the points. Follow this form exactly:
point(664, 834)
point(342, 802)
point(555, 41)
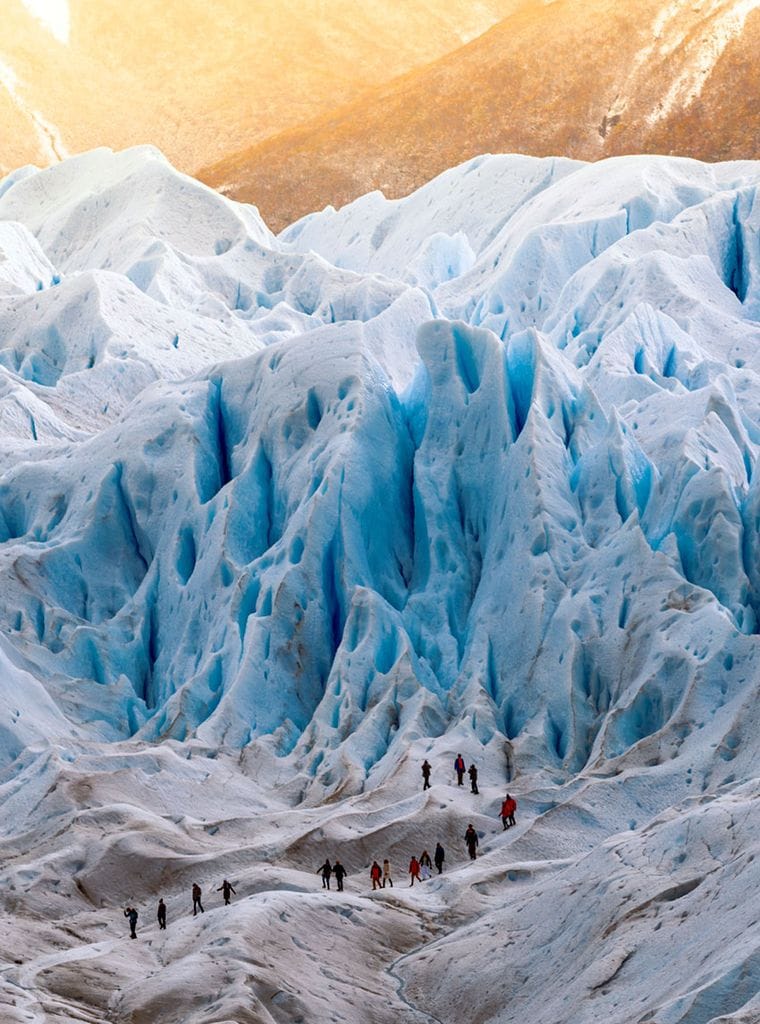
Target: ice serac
point(473, 470)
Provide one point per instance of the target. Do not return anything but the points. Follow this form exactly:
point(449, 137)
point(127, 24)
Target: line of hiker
point(381, 877)
point(459, 769)
point(327, 869)
point(507, 814)
point(131, 913)
point(421, 869)
point(509, 804)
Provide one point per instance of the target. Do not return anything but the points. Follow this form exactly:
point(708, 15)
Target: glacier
point(282, 515)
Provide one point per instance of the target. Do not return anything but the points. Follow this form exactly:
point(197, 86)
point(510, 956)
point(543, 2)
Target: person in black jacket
point(426, 770)
point(472, 771)
point(225, 889)
point(439, 857)
point(161, 915)
point(471, 838)
point(197, 905)
point(131, 913)
point(340, 873)
point(325, 871)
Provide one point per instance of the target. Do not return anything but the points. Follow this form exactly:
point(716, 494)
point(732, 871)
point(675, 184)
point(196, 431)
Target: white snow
point(280, 517)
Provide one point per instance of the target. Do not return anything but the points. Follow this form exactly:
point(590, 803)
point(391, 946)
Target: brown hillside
point(581, 78)
point(201, 80)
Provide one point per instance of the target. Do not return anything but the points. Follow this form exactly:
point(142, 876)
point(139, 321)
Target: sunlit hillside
point(202, 80)
point(579, 78)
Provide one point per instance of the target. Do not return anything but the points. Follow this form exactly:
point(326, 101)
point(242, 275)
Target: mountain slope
point(203, 80)
point(583, 79)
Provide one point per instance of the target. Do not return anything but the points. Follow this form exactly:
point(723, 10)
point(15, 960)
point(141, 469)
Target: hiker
point(340, 873)
point(425, 865)
point(387, 873)
point(459, 768)
point(426, 769)
point(508, 809)
point(131, 913)
point(376, 875)
point(197, 905)
point(325, 871)
point(225, 889)
point(414, 870)
point(439, 857)
point(161, 915)
point(472, 771)
point(471, 838)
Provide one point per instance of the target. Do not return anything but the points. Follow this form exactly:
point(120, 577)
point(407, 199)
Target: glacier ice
point(473, 469)
point(327, 509)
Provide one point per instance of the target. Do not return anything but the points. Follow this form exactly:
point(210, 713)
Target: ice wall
point(478, 460)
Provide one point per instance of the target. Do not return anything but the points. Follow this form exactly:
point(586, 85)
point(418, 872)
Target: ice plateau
point(281, 516)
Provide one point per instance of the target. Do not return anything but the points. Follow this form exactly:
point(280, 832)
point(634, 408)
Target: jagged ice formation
point(482, 454)
point(475, 468)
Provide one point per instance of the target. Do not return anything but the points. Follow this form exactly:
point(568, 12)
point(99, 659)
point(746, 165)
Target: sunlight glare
point(54, 15)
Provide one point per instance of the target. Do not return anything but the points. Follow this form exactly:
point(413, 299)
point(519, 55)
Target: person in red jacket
point(414, 870)
point(376, 874)
point(459, 768)
point(508, 809)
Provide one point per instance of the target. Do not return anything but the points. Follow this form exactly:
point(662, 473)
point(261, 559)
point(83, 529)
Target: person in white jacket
point(387, 880)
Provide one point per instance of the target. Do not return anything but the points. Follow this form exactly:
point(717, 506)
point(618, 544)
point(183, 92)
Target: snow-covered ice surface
point(282, 516)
